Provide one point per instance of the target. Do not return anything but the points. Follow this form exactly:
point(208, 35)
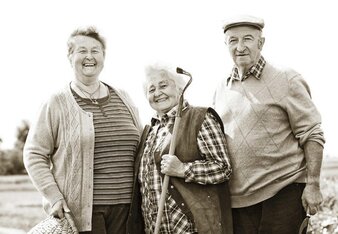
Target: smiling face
point(87, 58)
point(245, 44)
point(162, 94)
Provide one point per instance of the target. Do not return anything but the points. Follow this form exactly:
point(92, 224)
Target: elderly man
point(274, 136)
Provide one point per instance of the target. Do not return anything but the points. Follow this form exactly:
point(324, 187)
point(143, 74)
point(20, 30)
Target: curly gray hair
point(160, 70)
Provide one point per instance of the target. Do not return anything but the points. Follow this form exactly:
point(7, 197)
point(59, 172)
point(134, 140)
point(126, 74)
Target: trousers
point(109, 219)
point(280, 214)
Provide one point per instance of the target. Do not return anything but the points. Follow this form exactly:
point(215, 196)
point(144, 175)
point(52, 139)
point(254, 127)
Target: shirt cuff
point(188, 174)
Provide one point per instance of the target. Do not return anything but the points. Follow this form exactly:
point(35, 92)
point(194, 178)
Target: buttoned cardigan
point(59, 154)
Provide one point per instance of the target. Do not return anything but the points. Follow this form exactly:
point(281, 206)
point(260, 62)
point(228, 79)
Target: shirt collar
point(156, 119)
point(256, 70)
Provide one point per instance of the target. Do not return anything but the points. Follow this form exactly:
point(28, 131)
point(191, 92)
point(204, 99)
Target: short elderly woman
point(197, 199)
point(80, 151)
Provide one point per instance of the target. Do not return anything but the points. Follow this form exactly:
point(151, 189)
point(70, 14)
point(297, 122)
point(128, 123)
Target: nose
point(157, 93)
point(240, 46)
point(89, 55)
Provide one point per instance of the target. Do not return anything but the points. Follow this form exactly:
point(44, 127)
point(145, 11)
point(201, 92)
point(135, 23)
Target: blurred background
point(184, 33)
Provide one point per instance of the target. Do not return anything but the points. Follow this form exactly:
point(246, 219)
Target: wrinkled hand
point(312, 198)
point(59, 208)
point(172, 166)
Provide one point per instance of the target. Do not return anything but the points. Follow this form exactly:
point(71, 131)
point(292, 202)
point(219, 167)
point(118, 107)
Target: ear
point(261, 42)
point(70, 59)
point(180, 91)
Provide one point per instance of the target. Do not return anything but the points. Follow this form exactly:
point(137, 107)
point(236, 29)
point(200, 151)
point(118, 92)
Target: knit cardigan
point(59, 154)
point(267, 121)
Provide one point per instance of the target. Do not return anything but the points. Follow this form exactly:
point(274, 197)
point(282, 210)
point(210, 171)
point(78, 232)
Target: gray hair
point(89, 31)
point(163, 71)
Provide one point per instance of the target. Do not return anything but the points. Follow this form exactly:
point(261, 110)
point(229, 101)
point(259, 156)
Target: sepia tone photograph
point(158, 116)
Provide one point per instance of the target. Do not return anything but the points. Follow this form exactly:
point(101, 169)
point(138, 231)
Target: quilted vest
point(207, 205)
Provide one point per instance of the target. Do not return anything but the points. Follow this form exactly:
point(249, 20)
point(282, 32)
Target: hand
point(312, 198)
point(71, 222)
point(172, 166)
point(59, 208)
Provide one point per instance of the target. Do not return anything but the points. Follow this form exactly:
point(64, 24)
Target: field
point(20, 203)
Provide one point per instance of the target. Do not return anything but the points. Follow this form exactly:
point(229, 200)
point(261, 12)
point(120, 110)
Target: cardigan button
point(182, 204)
point(172, 186)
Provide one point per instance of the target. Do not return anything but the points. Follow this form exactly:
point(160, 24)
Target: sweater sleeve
point(38, 149)
point(304, 117)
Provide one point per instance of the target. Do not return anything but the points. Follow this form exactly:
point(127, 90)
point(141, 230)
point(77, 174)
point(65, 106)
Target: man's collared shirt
point(256, 71)
point(215, 168)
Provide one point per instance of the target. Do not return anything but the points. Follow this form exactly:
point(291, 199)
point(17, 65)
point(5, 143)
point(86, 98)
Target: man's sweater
point(267, 122)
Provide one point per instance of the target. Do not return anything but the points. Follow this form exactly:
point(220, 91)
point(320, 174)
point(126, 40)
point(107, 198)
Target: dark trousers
point(109, 219)
point(281, 214)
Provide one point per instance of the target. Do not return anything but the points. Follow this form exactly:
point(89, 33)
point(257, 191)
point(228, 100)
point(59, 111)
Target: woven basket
point(53, 225)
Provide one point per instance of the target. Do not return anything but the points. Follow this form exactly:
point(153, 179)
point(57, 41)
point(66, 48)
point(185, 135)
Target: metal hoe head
point(304, 225)
point(180, 103)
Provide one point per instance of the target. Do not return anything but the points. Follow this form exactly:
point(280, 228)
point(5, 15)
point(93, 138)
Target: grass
point(20, 203)
point(326, 220)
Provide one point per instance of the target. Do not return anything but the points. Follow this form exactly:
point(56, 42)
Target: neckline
point(100, 101)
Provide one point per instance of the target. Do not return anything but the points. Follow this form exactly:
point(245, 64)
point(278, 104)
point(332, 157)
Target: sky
point(184, 33)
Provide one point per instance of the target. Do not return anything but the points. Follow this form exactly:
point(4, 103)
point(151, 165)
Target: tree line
point(11, 161)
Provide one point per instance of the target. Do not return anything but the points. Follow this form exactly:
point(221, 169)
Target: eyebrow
point(95, 47)
point(249, 35)
point(163, 82)
point(246, 35)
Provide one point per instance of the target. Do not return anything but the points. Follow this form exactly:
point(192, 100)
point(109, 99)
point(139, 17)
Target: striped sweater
point(116, 139)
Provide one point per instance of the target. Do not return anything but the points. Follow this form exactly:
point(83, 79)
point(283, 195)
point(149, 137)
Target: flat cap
point(241, 20)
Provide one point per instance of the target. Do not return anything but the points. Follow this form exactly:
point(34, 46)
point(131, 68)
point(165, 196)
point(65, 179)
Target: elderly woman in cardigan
point(80, 150)
point(197, 199)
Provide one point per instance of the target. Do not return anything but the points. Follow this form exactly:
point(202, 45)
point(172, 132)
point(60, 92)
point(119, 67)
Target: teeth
point(161, 100)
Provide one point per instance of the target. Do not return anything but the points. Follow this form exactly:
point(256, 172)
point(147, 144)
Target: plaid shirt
point(214, 169)
point(255, 70)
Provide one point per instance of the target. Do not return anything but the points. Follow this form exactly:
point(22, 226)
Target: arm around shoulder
point(132, 107)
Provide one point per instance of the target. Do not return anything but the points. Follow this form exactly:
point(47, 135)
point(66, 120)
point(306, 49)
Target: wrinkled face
point(245, 45)
point(87, 58)
point(162, 94)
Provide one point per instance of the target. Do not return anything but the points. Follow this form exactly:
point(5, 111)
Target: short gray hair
point(89, 31)
point(160, 70)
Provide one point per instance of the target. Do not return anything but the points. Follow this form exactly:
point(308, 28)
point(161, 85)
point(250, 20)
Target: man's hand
point(59, 208)
point(172, 166)
point(312, 198)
